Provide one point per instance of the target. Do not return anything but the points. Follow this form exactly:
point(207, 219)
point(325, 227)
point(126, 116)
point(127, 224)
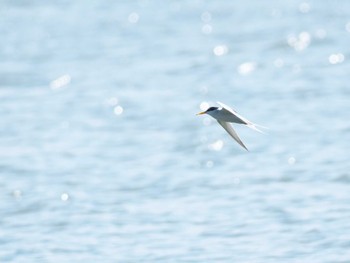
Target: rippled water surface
point(102, 158)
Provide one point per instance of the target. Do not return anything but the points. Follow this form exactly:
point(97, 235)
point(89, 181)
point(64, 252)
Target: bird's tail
point(255, 126)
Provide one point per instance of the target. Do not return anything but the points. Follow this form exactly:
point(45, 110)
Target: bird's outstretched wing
point(239, 118)
point(232, 132)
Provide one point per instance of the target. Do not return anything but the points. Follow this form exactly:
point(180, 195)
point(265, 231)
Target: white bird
point(224, 115)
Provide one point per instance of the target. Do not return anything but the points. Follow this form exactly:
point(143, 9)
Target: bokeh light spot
point(209, 164)
point(304, 7)
point(216, 146)
point(204, 106)
point(220, 50)
point(17, 194)
point(336, 58)
point(299, 42)
point(64, 197)
point(118, 110)
point(291, 160)
point(133, 17)
point(207, 29)
point(246, 68)
point(113, 101)
point(60, 82)
point(206, 17)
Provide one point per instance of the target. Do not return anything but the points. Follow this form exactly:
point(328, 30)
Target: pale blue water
point(102, 158)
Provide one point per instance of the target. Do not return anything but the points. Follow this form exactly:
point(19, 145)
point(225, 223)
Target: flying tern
point(224, 115)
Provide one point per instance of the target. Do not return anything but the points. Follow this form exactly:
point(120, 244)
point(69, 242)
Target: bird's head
point(208, 111)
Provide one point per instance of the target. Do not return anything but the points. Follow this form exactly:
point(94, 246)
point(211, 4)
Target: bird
point(225, 115)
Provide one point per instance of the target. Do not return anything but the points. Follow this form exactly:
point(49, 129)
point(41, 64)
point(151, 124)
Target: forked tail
point(255, 127)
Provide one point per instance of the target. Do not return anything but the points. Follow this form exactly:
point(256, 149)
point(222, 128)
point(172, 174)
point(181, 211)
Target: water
point(102, 156)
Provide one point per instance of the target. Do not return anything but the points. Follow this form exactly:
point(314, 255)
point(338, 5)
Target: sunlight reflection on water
point(103, 158)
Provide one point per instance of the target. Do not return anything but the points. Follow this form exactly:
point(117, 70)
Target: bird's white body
point(224, 115)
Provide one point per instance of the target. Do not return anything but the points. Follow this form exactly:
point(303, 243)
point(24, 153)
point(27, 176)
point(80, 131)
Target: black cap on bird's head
point(209, 109)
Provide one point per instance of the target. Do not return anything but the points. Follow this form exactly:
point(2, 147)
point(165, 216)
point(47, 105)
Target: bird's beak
point(203, 112)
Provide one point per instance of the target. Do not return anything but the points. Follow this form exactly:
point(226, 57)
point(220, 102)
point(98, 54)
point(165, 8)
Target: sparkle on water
point(336, 58)
point(246, 68)
point(206, 17)
point(299, 42)
point(103, 158)
point(60, 82)
point(220, 50)
point(133, 17)
point(112, 101)
point(204, 106)
point(207, 29)
point(118, 110)
point(291, 160)
point(64, 197)
point(216, 146)
point(304, 7)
